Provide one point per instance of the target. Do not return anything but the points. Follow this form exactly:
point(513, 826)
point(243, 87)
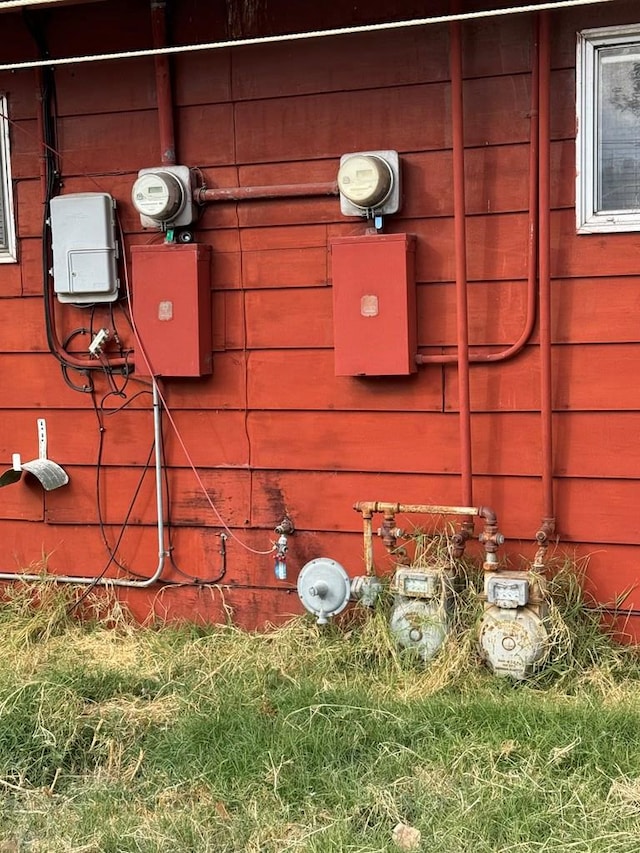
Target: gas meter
point(420, 616)
point(514, 639)
point(163, 197)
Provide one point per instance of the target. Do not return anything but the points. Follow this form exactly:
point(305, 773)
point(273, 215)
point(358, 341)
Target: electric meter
point(365, 180)
point(369, 182)
point(162, 197)
point(158, 195)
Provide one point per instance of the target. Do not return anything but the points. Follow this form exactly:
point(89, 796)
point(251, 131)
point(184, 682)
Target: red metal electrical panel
point(172, 308)
point(374, 304)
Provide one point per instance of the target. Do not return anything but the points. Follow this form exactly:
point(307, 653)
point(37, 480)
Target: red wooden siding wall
point(273, 431)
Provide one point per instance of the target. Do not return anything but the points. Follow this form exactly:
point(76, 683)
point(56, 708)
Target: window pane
point(618, 129)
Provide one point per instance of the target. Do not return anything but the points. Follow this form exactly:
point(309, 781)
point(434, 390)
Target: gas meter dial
point(420, 626)
point(514, 642)
point(162, 197)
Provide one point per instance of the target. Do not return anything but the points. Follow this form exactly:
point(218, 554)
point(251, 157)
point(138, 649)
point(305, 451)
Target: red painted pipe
point(544, 275)
point(460, 232)
point(203, 195)
point(532, 240)
point(164, 96)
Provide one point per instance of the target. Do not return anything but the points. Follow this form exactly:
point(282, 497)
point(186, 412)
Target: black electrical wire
point(35, 23)
point(194, 580)
point(112, 551)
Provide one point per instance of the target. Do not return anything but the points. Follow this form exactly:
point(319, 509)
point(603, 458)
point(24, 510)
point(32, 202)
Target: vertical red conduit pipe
point(459, 214)
point(532, 237)
point(544, 275)
point(163, 84)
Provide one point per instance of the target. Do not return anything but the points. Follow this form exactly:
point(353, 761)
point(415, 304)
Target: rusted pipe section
point(370, 507)
point(544, 273)
point(532, 239)
point(490, 537)
point(203, 195)
point(367, 517)
point(164, 95)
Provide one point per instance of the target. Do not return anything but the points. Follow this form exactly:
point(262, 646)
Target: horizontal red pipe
point(203, 196)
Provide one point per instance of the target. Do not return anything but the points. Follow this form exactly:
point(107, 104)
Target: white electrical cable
point(16, 4)
point(339, 31)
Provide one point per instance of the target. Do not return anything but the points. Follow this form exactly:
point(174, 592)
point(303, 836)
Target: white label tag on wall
point(165, 310)
point(369, 305)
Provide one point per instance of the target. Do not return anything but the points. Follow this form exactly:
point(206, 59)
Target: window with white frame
point(7, 224)
point(608, 141)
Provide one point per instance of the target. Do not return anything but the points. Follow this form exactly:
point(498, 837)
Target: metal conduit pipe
point(164, 95)
point(203, 195)
point(544, 273)
point(163, 553)
point(532, 237)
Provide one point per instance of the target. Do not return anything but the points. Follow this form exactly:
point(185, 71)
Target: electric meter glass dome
point(366, 180)
point(158, 195)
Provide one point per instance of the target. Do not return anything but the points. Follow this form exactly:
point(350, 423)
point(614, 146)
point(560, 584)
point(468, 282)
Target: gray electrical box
point(84, 248)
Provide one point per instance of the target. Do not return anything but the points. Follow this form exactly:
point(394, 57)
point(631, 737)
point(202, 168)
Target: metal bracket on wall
point(48, 473)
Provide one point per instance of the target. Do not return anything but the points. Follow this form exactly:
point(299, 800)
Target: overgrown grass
point(122, 739)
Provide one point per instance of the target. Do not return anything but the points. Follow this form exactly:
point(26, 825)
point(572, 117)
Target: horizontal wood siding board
point(213, 437)
point(363, 61)
point(25, 147)
point(202, 77)
point(307, 127)
point(285, 267)
point(587, 445)
point(79, 550)
point(584, 378)
point(610, 571)
point(583, 311)
point(78, 85)
point(596, 511)
point(305, 380)
point(582, 255)
point(394, 442)
point(131, 493)
point(333, 124)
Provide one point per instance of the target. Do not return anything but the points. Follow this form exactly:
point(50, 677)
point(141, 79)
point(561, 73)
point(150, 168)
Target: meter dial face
point(365, 180)
point(158, 195)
